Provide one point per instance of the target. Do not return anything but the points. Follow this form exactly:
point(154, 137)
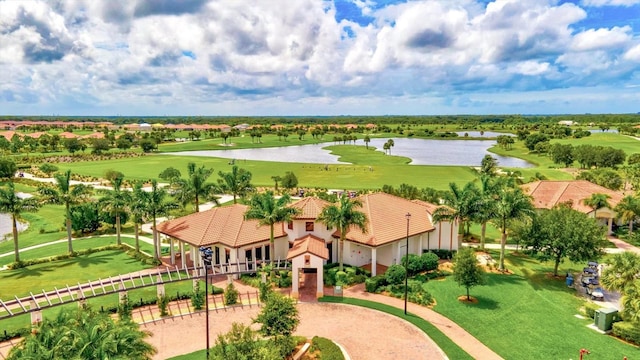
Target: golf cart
point(596, 293)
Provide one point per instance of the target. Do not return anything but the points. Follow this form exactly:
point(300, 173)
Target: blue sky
point(319, 57)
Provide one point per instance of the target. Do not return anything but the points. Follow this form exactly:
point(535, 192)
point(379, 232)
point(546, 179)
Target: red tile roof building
point(234, 239)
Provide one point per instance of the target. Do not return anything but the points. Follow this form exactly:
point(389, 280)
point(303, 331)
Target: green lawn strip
point(196, 355)
point(61, 248)
point(526, 315)
point(69, 271)
point(361, 155)
point(50, 218)
point(450, 348)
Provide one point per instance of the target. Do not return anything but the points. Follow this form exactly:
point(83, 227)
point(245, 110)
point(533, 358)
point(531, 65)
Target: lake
point(420, 151)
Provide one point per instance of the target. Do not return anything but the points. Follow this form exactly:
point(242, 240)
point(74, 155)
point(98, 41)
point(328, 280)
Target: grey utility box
point(604, 318)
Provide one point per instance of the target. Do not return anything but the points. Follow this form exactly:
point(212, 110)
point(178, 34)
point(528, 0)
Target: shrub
point(341, 278)
point(374, 283)
point(230, 295)
point(284, 279)
point(163, 304)
point(197, 297)
point(265, 290)
point(444, 254)
point(125, 308)
point(329, 350)
point(429, 261)
point(48, 168)
point(627, 331)
point(395, 274)
point(589, 309)
point(216, 290)
point(414, 264)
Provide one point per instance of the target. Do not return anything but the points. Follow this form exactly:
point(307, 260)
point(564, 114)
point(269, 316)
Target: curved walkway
point(457, 334)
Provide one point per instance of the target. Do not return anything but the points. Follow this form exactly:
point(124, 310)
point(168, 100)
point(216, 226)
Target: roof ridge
point(559, 194)
point(210, 220)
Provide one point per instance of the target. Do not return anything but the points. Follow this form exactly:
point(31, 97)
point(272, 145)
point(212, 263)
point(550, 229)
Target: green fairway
point(342, 176)
point(527, 315)
point(70, 271)
point(44, 226)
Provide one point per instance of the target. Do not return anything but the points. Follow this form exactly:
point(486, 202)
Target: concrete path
point(452, 330)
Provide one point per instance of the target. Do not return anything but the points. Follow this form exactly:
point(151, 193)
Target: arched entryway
point(307, 258)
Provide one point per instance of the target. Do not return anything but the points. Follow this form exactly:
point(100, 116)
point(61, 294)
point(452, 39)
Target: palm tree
point(461, 205)
point(115, 201)
point(622, 275)
point(343, 216)
point(136, 207)
point(84, 334)
point(237, 182)
point(367, 140)
point(195, 186)
point(11, 203)
point(154, 206)
point(269, 211)
point(512, 204)
point(64, 193)
point(597, 201)
point(484, 209)
point(628, 210)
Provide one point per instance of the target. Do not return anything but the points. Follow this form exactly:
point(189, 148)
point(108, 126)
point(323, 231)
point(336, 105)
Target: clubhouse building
point(307, 242)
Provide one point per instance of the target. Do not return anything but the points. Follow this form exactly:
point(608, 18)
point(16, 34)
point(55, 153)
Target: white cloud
point(598, 3)
point(633, 54)
point(593, 39)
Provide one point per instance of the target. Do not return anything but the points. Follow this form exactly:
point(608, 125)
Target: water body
point(420, 151)
point(5, 225)
point(486, 134)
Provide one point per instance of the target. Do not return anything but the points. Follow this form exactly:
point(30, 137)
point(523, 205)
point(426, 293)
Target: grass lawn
point(527, 315)
point(309, 175)
point(50, 218)
point(70, 271)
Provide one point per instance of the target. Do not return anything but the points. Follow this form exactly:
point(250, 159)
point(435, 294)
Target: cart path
point(453, 331)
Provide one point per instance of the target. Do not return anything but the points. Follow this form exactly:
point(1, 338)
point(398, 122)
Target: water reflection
point(420, 151)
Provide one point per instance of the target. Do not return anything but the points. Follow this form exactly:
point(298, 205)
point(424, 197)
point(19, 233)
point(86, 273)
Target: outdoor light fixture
point(406, 266)
point(206, 255)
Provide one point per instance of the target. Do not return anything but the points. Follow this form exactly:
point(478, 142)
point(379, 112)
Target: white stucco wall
point(356, 255)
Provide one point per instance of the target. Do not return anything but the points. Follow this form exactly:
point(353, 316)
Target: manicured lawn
point(527, 315)
point(50, 218)
point(309, 175)
point(70, 271)
point(60, 248)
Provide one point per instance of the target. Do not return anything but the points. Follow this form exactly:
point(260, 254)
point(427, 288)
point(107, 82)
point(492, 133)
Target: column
point(295, 279)
point(610, 226)
point(320, 282)
point(183, 256)
point(374, 261)
point(172, 251)
point(36, 316)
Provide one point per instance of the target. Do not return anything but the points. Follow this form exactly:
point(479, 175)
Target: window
point(267, 253)
point(307, 260)
point(308, 226)
point(290, 225)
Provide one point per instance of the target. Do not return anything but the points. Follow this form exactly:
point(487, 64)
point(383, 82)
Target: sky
point(318, 57)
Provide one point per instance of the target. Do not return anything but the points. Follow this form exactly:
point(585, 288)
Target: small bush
point(373, 284)
point(341, 278)
point(163, 305)
point(230, 295)
point(627, 331)
point(125, 308)
point(328, 349)
point(197, 297)
point(429, 261)
point(216, 290)
point(444, 254)
point(265, 291)
point(589, 309)
point(395, 274)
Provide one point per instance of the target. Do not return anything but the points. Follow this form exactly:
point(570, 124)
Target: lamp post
point(406, 266)
point(206, 254)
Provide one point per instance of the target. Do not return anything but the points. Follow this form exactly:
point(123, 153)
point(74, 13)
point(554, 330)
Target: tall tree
point(11, 203)
point(137, 209)
point(237, 182)
point(628, 210)
point(115, 201)
point(467, 271)
point(156, 205)
point(484, 209)
point(512, 204)
point(367, 140)
point(195, 187)
point(563, 232)
point(621, 275)
point(461, 204)
point(268, 211)
point(66, 194)
point(343, 216)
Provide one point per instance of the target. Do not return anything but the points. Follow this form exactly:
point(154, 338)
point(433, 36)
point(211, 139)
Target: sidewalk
point(452, 330)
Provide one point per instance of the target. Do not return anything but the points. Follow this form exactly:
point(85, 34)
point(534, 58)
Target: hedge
point(328, 349)
point(627, 331)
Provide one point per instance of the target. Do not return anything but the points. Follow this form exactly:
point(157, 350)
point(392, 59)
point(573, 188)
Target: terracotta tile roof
point(309, 207)
point(430, 207)
point(9, 134)
point(549, 193)
point(95, 135)
point(387, 221)
point(35, 135)
point(308, 244)
point(220, 225)
point(68, 135)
